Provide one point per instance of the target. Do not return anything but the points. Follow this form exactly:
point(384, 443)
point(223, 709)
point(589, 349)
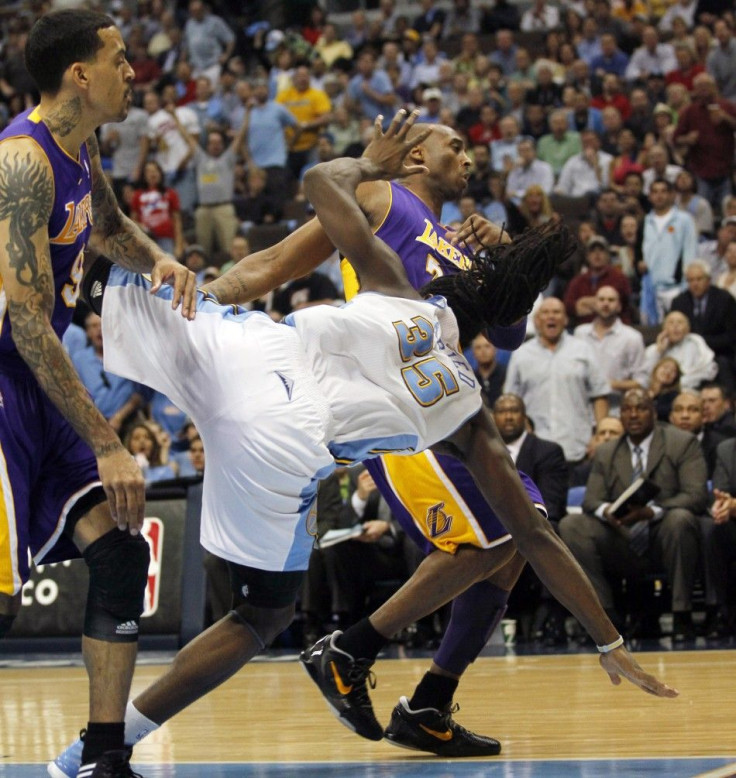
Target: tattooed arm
point(122, 240)
point(26, 199)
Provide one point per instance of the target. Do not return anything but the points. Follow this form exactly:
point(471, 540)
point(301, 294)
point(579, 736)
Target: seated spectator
point(712, 314)
point(496, 208)
point(611, 95)
point(628, 253)
point(504, 151)
point(191, 463)
point(253, 203)
point(597, 271)
point(344, 128)
point(607, 216)
point(560, 144)
point(117, 399)
point(587, 172)
point(664, 532)
point(145, 446)
point(535, 207)
point(664, 386)
point(719, 541)
point(478, 182)
point(489, 371)
point(610, 60)
point(688, 200)
point(687, 414)
point(658, 166)
point(196, 259)
point(693, 355)
point(718, 408)
point(687, 67)
point(608, 428)
point(330, 47)
point(727, 279)
point(155, 209)
point(626, 159)
point(486, 129)
point(528, 172)
point(620, 348)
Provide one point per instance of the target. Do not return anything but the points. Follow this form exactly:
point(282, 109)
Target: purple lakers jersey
point(69, 227)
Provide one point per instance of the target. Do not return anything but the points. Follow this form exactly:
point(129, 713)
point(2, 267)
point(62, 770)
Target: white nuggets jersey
point(276, 404)
point(388, 372)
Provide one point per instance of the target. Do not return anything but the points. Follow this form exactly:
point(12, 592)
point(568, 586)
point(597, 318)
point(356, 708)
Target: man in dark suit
point(664, 533)
point(717, 409)
point(687, 414)
point(544, 461)
point(712, 314)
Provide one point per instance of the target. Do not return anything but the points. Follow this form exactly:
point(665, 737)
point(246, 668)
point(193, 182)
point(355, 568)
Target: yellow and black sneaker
point(343, 681)
point(429, 729)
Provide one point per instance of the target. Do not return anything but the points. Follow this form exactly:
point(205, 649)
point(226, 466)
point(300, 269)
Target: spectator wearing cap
point(587, 172)
point(267, 121)
point(370, 91)
point(707, 127)
point(651, 57)
point(721, 62)
point(195, 258)
point(597, 271)
point(712, 313)
point(208, 39)
point(528, 171)
point(668, 246)
point(311, 108)
point(430, 112)
point(560, 144)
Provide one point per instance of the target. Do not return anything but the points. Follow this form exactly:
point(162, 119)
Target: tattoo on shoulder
point(26, 199)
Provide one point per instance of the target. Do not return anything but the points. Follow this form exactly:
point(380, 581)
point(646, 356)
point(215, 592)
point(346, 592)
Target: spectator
point(608, 428)
point(695, 358)
point(706, 127)
point(209, 109)
point(619, 347)
point(687, 415)
point(560, 144)
point(587, 172)
point(651, 57)
point(664, 386)
point(683, 9)
point(718, 408)
point(541, 17)
point(698, 207)
point(687, 67)
point(534, 209)
point(659, 167)
point(559, 380)
point(155, 208)
point(528, 171)
point(721, 62)
point(332, 48)
point(478, 182)
point(370, 92)
point(267, 121)
point(427, 71)
point(121, 142)
point(192, 463)
point(589, 43)
point(535, 124)
point(462, 19)
point(486, 130)
point(664, 532)
point(712, 313)
point(152, 458)
point(727, 279)
point(504, 151)
point(714, 251)
point(489, 371)
point(611, 95)
point(668, 246)
point(431, 106)
point(196, 259)
point(504, 53)
point(254, 204)
point(640, 119)
point(607, 216)
point(431, 21)
point(610, 60)
point(118, 399)
point(311, 108)
point(208, 39)
point(719, 541)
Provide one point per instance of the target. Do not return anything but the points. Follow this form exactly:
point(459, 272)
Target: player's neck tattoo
point(65, 118)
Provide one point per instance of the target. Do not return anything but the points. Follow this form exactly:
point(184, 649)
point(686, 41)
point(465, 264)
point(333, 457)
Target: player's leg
point(340, 663)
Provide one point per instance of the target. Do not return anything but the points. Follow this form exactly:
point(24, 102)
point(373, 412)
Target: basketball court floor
point(557, 716)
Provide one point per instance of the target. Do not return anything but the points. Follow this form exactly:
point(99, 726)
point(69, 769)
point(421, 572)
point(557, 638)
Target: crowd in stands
point(617, 116)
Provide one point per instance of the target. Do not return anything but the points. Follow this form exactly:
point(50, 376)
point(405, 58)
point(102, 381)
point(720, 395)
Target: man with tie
point(712, 314)
point(661, 535)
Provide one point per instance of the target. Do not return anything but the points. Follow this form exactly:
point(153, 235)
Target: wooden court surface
point(539, 707)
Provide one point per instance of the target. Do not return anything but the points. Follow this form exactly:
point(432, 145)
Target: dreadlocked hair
point(505, 278)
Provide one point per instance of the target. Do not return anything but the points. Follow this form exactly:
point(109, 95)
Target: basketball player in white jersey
point(278, 405)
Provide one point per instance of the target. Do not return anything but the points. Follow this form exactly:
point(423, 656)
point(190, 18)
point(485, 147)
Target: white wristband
point(611, 646)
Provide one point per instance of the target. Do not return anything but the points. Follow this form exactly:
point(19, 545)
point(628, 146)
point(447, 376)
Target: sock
point(100, 738)
point(434, 691)
point(137, 726)
point(475, 614)
point(362, 641)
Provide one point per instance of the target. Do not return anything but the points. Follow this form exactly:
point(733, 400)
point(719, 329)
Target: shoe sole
point(55, 771)
point(396, 743)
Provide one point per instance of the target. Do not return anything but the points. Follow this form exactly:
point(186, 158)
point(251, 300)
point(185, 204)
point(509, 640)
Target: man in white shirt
point(587, 172)
point(651, 57)
point(619, 347)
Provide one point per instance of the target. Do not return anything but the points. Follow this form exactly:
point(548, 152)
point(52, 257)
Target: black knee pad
point(118, 572)
point(6, 622)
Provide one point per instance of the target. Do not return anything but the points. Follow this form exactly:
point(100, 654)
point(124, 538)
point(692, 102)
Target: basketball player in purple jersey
point(434, 497)
point(68, 486)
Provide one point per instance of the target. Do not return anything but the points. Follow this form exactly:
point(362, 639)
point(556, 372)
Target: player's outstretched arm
point(122, 240)
point(26, 200)
point(484, 454)
point(331, 188)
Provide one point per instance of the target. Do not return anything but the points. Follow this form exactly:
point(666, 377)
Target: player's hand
point(125, 488)
point(476, 232)
point(171, 271)
point(620, 663)
point(388, 150)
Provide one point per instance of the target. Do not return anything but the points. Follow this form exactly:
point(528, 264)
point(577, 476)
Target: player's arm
point(122, 240)
point(26, 200)
point(482, 450)
point(331, 188)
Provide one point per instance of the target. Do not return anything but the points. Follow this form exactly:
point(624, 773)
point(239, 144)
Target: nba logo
point(153, 532)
